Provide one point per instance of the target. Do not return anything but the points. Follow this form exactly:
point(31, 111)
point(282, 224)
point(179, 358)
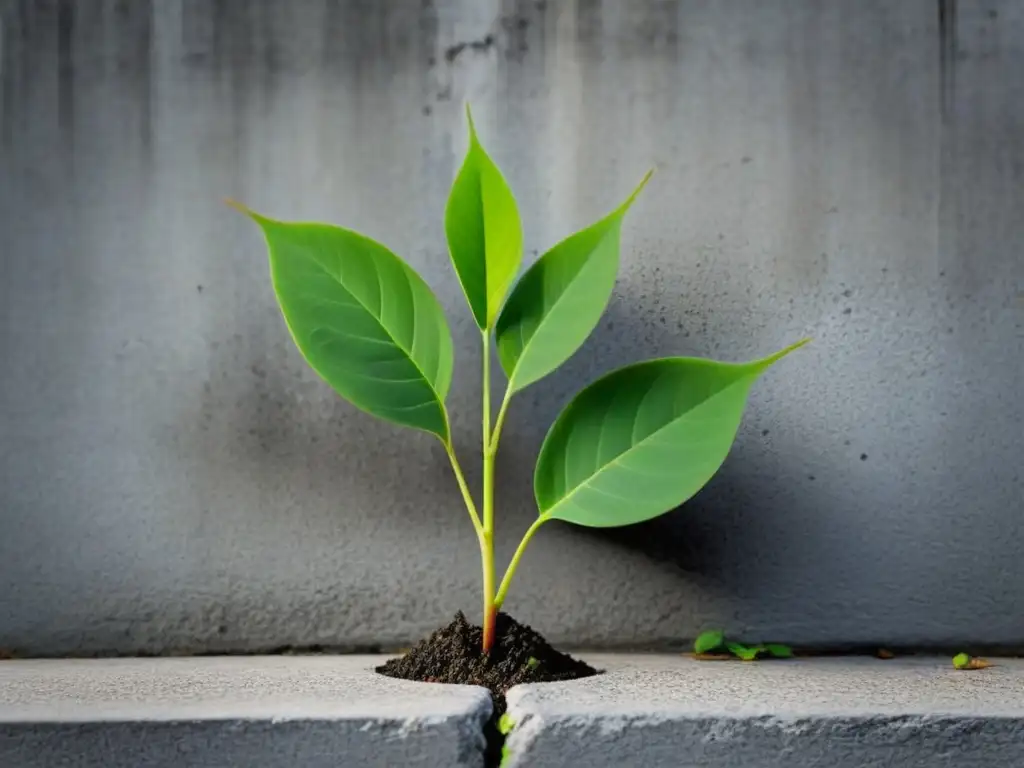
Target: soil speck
point(453, 51)
point(863, 457)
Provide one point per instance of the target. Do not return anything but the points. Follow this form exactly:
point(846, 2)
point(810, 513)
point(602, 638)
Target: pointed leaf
point(485, 237)
point(708, 641)
point(643, 439)
point(559, 300)
point(364, 320)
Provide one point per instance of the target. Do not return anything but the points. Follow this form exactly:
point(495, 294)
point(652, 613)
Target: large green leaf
point(643, 439)
point(364, 320)
point(559, 300)
point(485, 236)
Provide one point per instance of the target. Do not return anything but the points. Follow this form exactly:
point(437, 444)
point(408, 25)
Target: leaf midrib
point(337, 279)
point(547, 315)
point(614, 462)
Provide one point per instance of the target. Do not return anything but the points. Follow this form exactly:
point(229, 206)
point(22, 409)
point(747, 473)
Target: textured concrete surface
point(834, 713)
point(172, 475)
point(271, 712)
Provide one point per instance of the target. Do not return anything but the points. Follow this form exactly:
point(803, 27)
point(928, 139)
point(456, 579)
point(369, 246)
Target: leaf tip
point(246, 211)
point(636, 192)
point(783, 352)
point(240, 207)
point(469, 121)
point(645, 179)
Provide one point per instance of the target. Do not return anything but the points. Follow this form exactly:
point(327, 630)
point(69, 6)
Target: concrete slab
point(257, 712)
point(656, 711)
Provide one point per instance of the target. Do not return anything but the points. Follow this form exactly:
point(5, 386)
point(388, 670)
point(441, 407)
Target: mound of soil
point(520, 655)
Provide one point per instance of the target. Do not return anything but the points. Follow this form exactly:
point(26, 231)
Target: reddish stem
point(490, 619)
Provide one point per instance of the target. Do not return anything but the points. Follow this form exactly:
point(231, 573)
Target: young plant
point(632, 445)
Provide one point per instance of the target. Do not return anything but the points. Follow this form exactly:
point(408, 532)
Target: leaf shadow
point(710, 535)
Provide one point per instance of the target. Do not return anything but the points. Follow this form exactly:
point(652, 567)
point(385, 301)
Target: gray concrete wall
point(172, 475)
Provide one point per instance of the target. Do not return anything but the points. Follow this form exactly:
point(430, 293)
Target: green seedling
point(709, 642)
point(636, 443)
point(747, 653)
point(505, 724)
point(714, 640)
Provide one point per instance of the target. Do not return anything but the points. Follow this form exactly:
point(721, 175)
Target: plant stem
point(500, 421)
point(467, 497)
point(499, 599)
point(487, 538)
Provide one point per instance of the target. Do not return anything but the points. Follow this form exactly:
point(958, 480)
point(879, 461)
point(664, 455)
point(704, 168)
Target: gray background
point(173, 477)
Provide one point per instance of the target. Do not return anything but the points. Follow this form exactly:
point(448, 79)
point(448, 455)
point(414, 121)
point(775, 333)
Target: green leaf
point(962, 661)
point(559, 300)
point(643, 439)
point(505, 724)
point(709, 641)
point(779, 651)
point(747, 653)
point(364, 320)
point(485, 237)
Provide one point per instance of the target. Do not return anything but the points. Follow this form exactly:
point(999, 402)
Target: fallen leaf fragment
point(963, 661)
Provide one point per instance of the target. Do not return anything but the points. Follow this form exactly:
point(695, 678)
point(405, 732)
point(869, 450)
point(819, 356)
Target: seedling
point(636, 443)
point(714, 643)
point(505, 724)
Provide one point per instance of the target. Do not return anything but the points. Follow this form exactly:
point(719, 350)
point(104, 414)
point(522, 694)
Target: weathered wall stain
point(65, 70)
point(947, 54)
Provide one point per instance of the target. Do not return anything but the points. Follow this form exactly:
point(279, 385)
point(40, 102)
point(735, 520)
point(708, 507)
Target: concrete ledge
point(651, 711)
point(257, 712)
point(842, 713)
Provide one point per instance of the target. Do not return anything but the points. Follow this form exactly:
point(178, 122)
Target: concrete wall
point(173, 476)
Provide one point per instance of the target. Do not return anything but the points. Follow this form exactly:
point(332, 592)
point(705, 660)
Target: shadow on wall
point(263, 405)
point(714, 532)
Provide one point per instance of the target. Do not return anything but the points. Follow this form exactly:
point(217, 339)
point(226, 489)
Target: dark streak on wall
point(65, 71)
point(947, 55)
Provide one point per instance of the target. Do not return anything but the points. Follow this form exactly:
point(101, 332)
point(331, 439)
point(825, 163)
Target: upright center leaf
point(485, 236)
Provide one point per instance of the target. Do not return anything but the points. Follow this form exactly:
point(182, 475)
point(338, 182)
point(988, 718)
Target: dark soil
point(520, 655)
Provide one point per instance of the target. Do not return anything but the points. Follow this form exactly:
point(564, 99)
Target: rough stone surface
point(258, 712)
point(172, 476)
point(830, 713)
